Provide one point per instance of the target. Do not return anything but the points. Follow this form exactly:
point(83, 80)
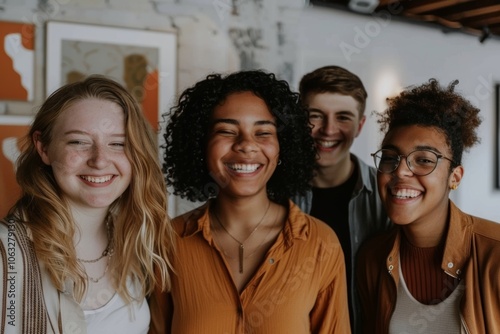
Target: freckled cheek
point(69, 161)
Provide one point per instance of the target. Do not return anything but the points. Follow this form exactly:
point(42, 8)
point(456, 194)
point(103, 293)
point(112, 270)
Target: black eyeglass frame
point(438, 157)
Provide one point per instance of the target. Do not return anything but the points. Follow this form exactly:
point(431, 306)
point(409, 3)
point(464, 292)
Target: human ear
point(40, 148)
point(455, 177)
point(360, 125)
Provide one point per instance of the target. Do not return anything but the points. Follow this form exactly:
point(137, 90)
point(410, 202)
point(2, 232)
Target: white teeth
point(326, 143)
point(406, 193)
point(93, 179)
point(244, 168)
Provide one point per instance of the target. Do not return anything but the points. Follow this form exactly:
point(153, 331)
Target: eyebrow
point(348, 112)
point(79, 132)
point(419, 147)
point(236, 122)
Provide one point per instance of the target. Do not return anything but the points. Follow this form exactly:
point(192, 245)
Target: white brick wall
point(213, 35)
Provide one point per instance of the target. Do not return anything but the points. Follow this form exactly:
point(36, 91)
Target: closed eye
point(344, 118)
point(315, 116)
point(77, 142)
point(225, 132)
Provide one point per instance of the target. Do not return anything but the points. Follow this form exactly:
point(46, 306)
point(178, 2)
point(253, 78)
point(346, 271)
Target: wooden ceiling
point(477, 17)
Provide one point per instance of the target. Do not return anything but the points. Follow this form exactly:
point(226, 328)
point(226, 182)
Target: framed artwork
point(497, 136)
point(143, 61)
point(12, 130)
point(17, 61)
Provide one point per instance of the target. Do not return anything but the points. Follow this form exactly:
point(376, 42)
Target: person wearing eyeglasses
point(437, 270)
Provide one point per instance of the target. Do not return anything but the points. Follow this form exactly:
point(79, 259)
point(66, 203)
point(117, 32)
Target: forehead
point(242, 105)
point(332, 102)
point(411, 137)
point(92, 115)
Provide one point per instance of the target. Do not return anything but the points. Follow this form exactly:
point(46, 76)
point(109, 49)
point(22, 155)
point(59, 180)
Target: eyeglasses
point(420, 162)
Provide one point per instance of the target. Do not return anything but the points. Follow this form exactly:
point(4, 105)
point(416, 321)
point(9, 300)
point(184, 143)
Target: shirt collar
point(198, 221)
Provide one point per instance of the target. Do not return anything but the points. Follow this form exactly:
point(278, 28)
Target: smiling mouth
point(405, 193)
point(94, 179)
point(327, 143)
point(243, 168)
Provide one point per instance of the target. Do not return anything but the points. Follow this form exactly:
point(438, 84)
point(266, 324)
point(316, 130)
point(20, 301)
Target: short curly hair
point(186, 135)
point(433, 105)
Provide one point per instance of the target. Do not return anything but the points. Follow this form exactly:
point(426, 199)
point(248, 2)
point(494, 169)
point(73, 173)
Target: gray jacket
point(366, 218)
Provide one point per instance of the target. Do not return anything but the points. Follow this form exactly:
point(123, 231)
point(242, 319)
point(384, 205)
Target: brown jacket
point(472, 253)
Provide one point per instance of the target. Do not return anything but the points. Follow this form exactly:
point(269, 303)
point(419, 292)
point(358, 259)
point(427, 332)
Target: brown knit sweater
point(423, 275)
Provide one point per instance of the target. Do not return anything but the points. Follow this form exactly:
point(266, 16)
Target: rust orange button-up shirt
point(299, 288)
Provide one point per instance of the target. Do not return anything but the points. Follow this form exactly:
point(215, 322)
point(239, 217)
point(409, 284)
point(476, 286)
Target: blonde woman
point(89, 238)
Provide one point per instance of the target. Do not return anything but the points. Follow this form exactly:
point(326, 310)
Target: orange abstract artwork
point(134, 67)
point(10, 141)
point(17, 61)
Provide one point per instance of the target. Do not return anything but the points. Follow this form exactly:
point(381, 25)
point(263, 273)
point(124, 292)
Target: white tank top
point(118, 317)
point(411, 316)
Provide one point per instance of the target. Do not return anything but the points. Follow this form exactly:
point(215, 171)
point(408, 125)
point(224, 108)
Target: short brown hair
point(334, 79)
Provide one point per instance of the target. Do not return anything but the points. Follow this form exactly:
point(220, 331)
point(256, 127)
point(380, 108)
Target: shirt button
point(459, 272)
point(390, 258)
point(271, 261)
point(450, 265)
point(391, 267)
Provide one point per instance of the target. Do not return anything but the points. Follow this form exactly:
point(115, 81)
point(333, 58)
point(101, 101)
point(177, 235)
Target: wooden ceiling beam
point(475, 12)
point(483, 21)
point(469, 16)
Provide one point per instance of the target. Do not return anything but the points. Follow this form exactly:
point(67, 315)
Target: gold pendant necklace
point(241, 245)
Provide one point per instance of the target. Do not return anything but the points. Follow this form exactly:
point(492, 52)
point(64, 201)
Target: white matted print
point(143, 61)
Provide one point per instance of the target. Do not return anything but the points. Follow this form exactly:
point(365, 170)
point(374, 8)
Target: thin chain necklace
point(241, 247)
point(107, 252)
point(263, 240)
point(96, 280)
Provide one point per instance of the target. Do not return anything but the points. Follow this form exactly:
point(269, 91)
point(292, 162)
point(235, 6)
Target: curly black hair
point(433, 105)
point(188, 127)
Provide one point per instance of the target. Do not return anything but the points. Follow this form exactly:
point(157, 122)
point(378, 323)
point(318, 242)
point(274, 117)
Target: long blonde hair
point(143, 235)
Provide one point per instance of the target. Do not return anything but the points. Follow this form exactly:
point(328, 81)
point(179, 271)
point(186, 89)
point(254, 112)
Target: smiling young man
point(344, 188)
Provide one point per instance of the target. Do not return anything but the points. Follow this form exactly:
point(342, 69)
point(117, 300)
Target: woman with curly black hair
point(437, 271)
point(248, 260)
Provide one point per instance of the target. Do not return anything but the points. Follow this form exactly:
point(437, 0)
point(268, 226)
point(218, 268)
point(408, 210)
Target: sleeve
point(330, 313)
point(161, 309)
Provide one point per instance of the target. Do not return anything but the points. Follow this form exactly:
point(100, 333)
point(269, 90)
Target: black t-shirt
point(331, 205)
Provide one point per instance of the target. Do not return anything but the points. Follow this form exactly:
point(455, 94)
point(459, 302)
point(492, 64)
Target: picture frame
point(497, 136)
point(17, 61)
point(144, 61)
point(12, 130)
